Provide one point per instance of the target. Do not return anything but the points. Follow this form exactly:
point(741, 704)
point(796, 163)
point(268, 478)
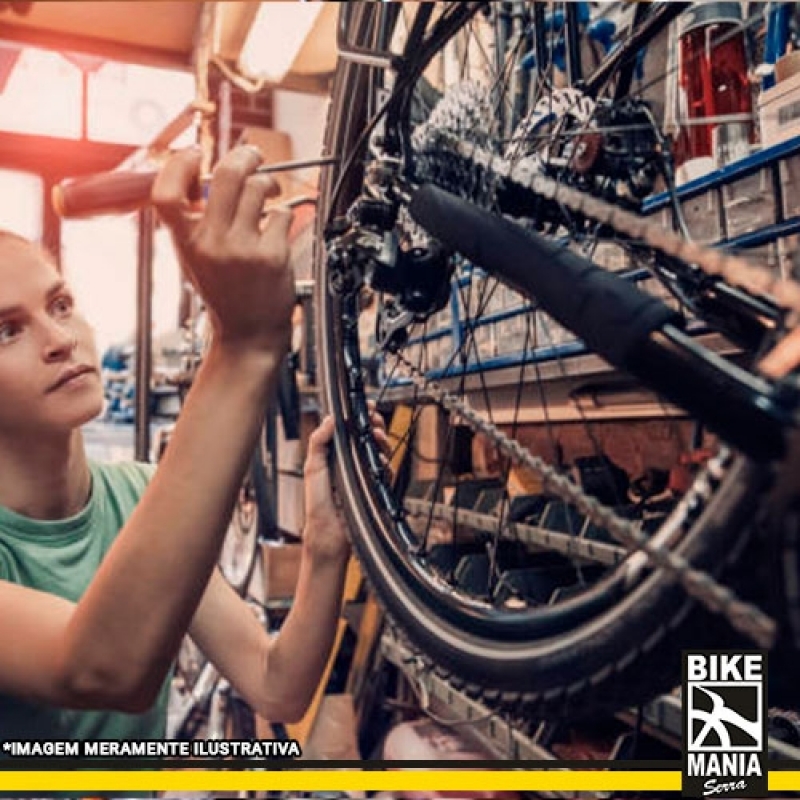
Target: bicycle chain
point(743, 616)
point(526, 173)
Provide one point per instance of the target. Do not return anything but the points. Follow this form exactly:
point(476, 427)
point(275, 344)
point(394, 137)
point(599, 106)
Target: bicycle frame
point(632, 331)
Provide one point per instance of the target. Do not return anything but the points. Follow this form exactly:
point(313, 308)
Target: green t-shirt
point(61, 557)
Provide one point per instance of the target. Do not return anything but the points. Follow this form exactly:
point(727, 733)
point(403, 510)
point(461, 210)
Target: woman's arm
point(113, 648)
point(279, 675)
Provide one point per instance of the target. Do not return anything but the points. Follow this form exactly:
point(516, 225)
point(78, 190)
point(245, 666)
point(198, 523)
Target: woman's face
point(49, 369)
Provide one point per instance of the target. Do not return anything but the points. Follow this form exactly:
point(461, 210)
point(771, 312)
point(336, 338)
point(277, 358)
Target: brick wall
point(247, 110)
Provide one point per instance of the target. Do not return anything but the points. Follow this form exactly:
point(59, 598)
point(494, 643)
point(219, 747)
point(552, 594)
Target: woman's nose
point(60, 341)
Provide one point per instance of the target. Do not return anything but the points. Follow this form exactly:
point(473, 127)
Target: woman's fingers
point(318, 443)
point(322, 437)
point(379, 431)
point(276, 225)
point(173, 186)
point(236, 192)
point(227, 186)
point(383, 442)
point(257, 188)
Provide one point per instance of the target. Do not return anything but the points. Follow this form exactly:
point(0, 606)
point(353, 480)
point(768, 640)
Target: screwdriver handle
point(117, 192)
point(121, 191)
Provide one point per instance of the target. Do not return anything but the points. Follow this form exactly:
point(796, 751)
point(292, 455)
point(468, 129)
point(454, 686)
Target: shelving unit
point(503, 739)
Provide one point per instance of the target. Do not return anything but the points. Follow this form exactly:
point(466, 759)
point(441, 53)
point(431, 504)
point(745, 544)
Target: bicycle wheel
point(522, 598)
point(239, 548)
point(253, 518)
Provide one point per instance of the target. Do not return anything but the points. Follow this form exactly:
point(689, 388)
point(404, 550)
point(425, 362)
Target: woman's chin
point(81, 413)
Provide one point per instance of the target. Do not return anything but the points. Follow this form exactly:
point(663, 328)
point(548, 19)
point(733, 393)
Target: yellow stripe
point(784, 781)
point(359, 780)
point(341, 780)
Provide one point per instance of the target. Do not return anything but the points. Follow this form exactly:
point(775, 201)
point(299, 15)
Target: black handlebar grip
point(609, 313)
point(104, 193)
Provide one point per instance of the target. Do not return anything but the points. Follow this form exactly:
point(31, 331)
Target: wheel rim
point(387, 536)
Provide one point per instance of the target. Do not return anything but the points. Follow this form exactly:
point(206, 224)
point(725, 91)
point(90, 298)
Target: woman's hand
point(236, 260)
point(325, 535)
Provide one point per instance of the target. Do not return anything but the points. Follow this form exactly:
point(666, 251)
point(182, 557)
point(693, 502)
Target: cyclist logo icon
point(724, 698)
point(732, 721)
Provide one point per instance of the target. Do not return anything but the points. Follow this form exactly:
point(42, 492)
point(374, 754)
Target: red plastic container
point(715, 100)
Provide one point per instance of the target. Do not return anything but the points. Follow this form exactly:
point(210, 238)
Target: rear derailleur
point(365, 249)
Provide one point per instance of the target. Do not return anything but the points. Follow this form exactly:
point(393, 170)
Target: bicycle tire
point(611, 645)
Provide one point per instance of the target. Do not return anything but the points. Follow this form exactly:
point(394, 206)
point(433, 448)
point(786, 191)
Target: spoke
point(505, 502)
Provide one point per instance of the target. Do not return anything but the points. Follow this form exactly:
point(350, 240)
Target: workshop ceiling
point(160, 33)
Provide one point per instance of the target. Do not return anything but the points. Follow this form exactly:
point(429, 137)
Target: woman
point(103, 570)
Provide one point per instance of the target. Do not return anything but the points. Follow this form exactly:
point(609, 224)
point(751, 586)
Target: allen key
point(288, 166)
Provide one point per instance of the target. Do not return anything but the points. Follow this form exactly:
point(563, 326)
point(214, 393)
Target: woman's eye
point(62, 306)
point(9, 331)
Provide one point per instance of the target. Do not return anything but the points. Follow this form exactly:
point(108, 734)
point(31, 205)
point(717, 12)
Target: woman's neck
point(45, 480)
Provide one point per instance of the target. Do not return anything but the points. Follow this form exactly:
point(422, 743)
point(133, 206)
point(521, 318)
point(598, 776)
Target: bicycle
point(466, 173)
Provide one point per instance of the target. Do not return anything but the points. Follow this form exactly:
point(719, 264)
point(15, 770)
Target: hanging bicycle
point(483, 159)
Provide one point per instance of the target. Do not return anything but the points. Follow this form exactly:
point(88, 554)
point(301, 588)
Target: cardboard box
point(779, 111)
point(429, 442)
point(749, 203)
point(790, 186)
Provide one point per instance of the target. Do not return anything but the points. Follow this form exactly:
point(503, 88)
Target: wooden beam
point(59, 158)
point(123, 52)
point(237, 18)
point(312, 83)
